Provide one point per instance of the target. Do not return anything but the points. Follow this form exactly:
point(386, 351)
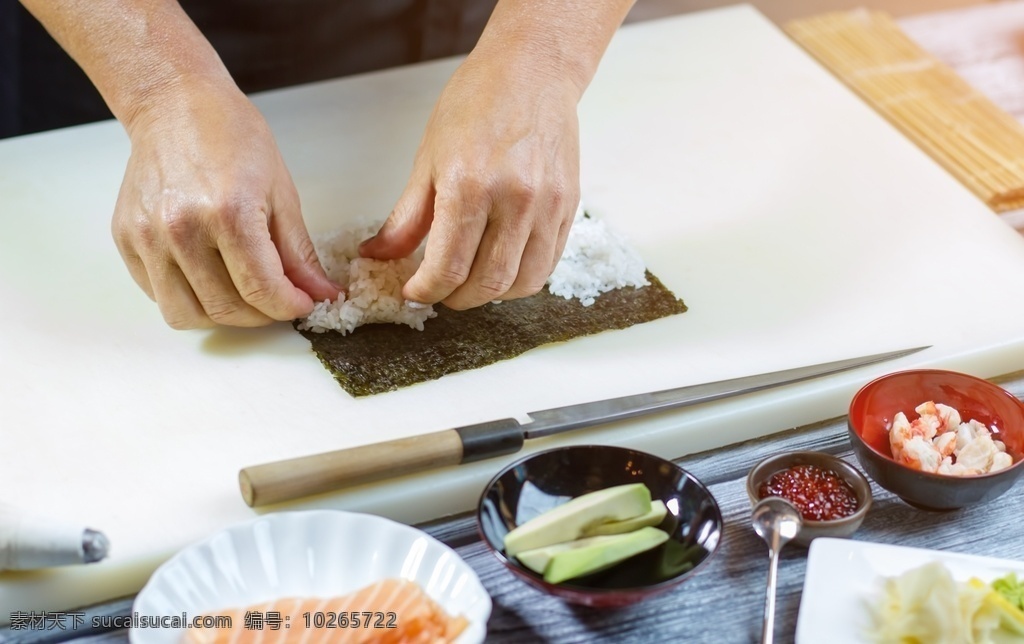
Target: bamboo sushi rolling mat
point(961, 128)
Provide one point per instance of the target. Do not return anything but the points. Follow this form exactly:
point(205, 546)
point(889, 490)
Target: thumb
point(298, 257)
point(406, 226)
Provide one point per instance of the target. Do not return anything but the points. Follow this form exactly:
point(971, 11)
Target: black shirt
point(264, 44)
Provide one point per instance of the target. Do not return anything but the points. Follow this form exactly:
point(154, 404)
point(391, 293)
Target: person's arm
point(208, 219)
point(496, 178)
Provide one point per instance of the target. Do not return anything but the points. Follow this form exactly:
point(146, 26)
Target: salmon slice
point(392, 611)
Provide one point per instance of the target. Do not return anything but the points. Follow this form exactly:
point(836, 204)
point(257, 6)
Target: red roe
point(818, 493)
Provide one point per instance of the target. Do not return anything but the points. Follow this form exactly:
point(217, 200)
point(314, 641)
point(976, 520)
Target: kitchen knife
point(307, 475)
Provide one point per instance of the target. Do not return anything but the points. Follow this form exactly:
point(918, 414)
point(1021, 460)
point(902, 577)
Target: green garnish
point(1011, 589)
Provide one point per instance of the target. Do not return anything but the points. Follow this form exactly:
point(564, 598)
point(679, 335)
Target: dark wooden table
point(723, 602)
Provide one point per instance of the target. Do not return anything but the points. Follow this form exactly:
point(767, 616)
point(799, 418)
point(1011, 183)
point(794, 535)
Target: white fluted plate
point(317, 553)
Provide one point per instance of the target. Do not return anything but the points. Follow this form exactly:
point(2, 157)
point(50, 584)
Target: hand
point(208, 219)
point(495, 182)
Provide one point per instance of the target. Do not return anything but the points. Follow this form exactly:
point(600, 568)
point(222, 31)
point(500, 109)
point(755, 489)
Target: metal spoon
point(776, 521)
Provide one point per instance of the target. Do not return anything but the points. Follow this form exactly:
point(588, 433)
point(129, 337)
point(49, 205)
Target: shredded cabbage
point(926, 605)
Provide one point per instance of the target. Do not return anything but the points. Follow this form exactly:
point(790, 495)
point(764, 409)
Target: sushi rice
point(595, 260)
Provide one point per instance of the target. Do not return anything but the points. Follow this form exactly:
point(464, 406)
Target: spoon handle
point(768, 630)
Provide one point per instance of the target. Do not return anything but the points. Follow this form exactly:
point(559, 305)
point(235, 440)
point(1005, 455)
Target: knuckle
point(134, 235)
point(178, 324)
point(571, 194)
point(210, 218)
point(182, 321)
point(119, 231)
point(467, 193)
point(524, 193)
point(258, 292)
point(450, 276)
point(454, 175)
point(224, 310)
point(564, 199)
point(234, 214)
point(494, 286)
point(548, 201)
point(528, 289)
point(180, 224)
point(478, 294)
point(234, 312)
point(144, 233)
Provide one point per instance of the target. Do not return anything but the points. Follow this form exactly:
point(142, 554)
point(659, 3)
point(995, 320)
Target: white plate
point(843, 575)
point(318, 553)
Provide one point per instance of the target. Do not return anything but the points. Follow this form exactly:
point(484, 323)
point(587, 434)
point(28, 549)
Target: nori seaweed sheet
point(376, 358)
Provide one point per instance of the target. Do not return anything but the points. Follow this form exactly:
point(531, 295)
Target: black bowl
point(544, 480)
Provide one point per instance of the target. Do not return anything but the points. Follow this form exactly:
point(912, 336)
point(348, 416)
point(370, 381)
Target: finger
point(496, 264)
point(406, 226)
point(460, 219)
point(252, 261)
point(563, 236)
point(137, 269)
point(178, 303)
point(298, 256)
point(210, 281)
point(125, 240)
point(543, 250)
point(534, 266)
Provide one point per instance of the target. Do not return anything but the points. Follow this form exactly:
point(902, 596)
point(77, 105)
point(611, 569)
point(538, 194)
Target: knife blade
point(294, 478)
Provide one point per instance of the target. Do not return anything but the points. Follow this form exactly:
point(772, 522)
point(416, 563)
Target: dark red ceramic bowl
point(547, 479)
point(875, 405)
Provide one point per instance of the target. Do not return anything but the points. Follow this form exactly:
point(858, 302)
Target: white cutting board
point(797, 225)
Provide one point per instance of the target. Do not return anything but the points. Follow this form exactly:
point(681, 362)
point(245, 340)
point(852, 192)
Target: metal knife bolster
point(493, 438)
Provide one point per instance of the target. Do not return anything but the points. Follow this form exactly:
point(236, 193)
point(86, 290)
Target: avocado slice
point(652, 518)
point(538, 558)
point(598, 555)
point(568, 521)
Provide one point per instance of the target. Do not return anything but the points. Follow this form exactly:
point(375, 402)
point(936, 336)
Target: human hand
point(495, 182)
point(208, 219)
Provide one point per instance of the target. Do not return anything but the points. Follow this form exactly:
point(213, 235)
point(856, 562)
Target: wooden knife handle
point(295, 478)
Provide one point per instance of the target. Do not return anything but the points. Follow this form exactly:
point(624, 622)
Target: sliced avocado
point(652, 518)
point(567, 521)
point(538, 558)
point(677, 558)
point(576, 562)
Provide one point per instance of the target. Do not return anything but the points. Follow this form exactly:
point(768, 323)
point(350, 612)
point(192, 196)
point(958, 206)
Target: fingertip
point(324, 289)
point(416, 292)
point(368, 247)
point(301, 305)
point(411, 292)
point(406, 227)
point(393, 241)
point(310, 278)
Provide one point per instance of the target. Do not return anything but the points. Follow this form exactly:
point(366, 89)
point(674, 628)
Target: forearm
point(566, 38)
point(138, 53)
